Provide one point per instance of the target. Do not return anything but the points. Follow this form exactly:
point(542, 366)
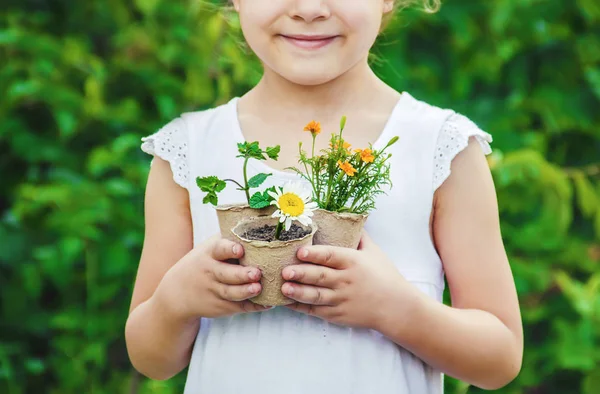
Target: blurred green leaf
point(587, 199)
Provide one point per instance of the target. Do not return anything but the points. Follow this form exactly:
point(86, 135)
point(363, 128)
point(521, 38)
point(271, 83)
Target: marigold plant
point(344, 180)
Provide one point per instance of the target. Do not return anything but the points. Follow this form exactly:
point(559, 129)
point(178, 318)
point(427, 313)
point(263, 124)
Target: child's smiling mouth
point(309, 41)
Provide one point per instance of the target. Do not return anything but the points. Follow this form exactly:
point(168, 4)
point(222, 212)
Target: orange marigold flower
point(347, 168)
point(366, 155)
point(313, 127)
point(346, 146)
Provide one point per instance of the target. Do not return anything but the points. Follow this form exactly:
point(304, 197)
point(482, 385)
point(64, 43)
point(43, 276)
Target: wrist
point(169, 304)
point(402, 312)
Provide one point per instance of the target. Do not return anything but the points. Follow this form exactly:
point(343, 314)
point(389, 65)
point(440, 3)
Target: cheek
point(363, 22)
point(253, 22)
point(259, 23)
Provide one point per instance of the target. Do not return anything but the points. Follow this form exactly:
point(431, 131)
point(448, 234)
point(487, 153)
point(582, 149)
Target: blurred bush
point(81, 82)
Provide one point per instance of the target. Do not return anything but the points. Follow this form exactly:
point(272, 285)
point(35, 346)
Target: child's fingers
point(312, 295)
point(324, 312)
point(310, 274)
point(250, 307)
point(329, 256)
point(223, 249)
point(238, 292)
point(232, 274)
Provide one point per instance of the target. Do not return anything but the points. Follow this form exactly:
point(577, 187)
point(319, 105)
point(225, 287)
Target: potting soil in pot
point(267, 233)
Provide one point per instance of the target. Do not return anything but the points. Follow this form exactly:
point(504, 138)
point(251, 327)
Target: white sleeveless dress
point(282, 351)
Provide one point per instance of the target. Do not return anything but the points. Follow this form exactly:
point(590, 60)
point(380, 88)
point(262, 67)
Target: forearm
point(470, 345)
point(159, 343)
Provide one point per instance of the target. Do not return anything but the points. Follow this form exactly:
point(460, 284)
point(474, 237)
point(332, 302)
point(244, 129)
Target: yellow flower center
point(291, 204)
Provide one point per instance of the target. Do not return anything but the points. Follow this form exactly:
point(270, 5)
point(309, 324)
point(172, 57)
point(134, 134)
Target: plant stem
point(303, 161)
point(246, 188)
point(339, 178)
point(278, 230)
point(308, 177)
point(318, 177)
point(354, 185)
point(357, 199)
point(328, 191)
point(234, 181)
point(315, 179)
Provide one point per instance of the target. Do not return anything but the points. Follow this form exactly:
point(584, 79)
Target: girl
point(366, 321)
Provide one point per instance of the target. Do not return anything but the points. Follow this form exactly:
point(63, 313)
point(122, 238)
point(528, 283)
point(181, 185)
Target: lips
point(304, 41)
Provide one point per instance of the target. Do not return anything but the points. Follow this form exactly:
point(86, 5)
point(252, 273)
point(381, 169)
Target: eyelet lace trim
point(170, 143)
point(453, 138)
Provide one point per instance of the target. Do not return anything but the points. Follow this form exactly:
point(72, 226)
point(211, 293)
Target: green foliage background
point(82, 81)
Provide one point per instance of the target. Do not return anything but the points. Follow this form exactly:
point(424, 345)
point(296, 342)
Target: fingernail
point(304, 253)
point(236, 249)
point(251, 289)
point(292, 274)
point(289, 290)
point(253, 275)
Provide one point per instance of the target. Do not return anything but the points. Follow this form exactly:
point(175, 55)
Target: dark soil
point(267, 233)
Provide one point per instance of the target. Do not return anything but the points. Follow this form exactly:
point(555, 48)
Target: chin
point(313, 75)
point(304, 79)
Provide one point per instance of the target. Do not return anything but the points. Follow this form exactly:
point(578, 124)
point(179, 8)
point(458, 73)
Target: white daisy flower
point(294, 203)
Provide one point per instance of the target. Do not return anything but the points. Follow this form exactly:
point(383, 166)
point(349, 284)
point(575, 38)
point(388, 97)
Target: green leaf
point(586, 195)
point(255, 152)
point(211, 198)
point(35, 365)
point(242, 148)
point(592, 75)
point(597, 224)
point(260, 200)
point(591, 382)
point(257, 180)
point(273, 152)
point(250, 150)
point(146, 6)
point(67, 122)
point(210, 184)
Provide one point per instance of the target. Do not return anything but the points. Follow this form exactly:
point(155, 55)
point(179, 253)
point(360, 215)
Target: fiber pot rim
point(343, 215)
point(227, 207)
point(272, 244)
point(240, 205)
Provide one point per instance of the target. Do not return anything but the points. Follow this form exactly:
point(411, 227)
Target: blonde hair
point(429, 6)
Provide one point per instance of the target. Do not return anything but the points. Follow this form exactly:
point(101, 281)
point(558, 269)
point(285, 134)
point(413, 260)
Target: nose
point(310, 10)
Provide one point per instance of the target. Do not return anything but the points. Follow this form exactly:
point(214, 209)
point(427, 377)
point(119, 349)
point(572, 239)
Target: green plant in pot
point(345, 184)
point(257, 204)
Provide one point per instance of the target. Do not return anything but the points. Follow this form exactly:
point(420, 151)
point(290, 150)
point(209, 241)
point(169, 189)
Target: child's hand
point(345, 286)
point(203, 285)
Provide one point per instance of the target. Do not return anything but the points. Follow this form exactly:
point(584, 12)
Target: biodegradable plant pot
point(338, 229)
point(231, 214)
point(270, 257)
